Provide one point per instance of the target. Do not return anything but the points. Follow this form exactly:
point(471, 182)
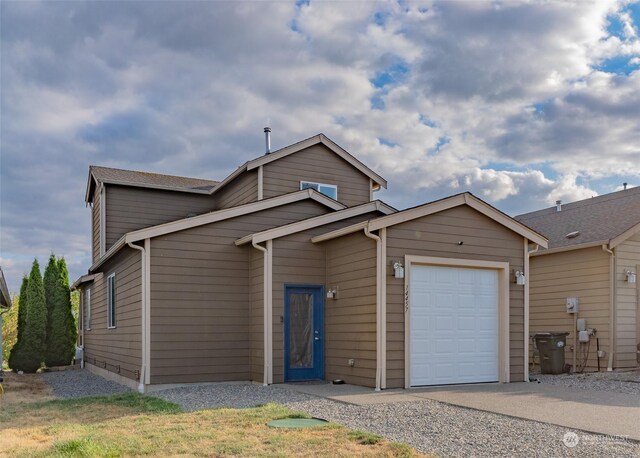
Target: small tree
point(62, 335)
point(50, 279)
point(31, 345)
point(21, 320)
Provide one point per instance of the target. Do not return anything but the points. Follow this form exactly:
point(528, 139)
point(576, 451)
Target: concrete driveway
point(597, 412)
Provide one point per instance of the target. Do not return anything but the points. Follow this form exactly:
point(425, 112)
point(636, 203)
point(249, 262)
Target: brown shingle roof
point(598, 219)
point(133, 178)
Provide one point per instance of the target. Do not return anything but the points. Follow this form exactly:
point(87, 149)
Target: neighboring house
point(593, 255)
point(5, 304)
point(289, 270)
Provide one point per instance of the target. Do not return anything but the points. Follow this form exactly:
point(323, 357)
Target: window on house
point(87, 309)
point(330, 190)
point(111, 301)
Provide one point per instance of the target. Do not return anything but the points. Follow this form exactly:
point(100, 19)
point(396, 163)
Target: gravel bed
point(429, 426)
point(236, 395)
point(616, 382)
point(81, 383)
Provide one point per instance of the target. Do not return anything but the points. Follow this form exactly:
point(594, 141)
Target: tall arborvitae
point(30, 353)
point(61, 339)
point(50, 279)
point(22, 318)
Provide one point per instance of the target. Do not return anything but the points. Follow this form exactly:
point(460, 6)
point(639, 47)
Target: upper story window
point(330, 190)
point(111, 301)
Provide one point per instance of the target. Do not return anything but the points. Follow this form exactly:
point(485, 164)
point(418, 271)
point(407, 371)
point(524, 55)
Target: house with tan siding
point(289, 270)
point(594, 256)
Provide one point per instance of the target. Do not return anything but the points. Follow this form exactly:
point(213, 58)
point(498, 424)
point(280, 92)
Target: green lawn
point(132, 425)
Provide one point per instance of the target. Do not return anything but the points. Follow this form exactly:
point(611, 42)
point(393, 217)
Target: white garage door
point(453, 325)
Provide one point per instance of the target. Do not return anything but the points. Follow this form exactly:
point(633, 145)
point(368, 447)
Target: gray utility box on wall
point(550, 346)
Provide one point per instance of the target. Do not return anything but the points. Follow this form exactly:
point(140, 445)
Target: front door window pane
point(300, 330)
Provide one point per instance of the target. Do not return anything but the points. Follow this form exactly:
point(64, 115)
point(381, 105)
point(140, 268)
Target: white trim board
point(316, 221)
point(435, 207)
point(503, 307)
point(215, 216)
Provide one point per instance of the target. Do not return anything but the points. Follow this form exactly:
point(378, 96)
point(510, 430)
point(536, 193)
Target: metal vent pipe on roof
point(558, 205)
point(625, 186)
point(267, 139)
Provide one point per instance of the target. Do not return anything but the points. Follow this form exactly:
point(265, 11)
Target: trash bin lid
point(550, 334)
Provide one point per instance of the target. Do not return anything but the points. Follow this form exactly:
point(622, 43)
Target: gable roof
point(299, 146)
point(214, 216)
point(123, 177)
point(316, 221)
point(607, 219)
point(437, 206)
point(108, 175)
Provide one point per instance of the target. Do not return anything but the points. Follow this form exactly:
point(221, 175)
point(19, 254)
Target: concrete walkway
point(598, 412)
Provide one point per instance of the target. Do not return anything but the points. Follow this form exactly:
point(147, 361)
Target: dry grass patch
point(134, 425)
point(23, 389)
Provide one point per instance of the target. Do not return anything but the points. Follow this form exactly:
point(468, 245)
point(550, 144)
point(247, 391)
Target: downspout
point(266, 318)
point(527, 272)
point(143, 366)
point(379, 317)
point(612, 299)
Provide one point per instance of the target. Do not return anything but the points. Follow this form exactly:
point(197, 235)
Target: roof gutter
point(612, 302)
point(569, 248)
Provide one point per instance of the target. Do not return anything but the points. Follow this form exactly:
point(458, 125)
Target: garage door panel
point(453, 325)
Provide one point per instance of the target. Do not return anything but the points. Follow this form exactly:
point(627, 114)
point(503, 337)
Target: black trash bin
point(550, 346)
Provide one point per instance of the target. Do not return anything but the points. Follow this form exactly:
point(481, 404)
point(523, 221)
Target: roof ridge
point(595, 200)
point(151, 173)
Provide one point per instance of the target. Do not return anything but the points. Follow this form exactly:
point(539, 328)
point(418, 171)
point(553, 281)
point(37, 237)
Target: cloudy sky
point(519, 103)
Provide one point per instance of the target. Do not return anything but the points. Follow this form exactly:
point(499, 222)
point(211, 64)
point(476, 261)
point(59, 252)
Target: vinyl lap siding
point(295, 261)
point(351, 318)
point(580, 273)
point(242, 190)
point(298, 261)
point(120, 346)
point(317, 164)
point(129, 209)
point(200, 297)
point(256, 324)
point(627, 337)
point(438, 235)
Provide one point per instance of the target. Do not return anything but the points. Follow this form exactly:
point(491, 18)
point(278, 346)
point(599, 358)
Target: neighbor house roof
point(214, 216)
point(606, 219)
point(98, 174)
point(82, 280)
point(5, 297)
point(435, 207)
point(309, 223)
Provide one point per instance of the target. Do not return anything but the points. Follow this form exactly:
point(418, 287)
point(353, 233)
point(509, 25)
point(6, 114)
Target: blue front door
point(303, 332)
